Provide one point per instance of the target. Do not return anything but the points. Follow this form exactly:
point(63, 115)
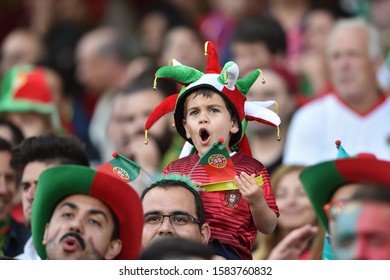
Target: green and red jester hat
point(57, 183)
point(25, 88)
point(223, 81)
point(321, 180)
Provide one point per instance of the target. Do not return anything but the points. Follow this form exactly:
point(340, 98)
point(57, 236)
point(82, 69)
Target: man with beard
point(176, 198)
point(83, 214)
point(35, 155)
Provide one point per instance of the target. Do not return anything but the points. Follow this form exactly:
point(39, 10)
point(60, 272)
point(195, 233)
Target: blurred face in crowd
point(28, 184)
point(362, 231)
point(128, 117)
point(20, 47)
point(275, 88)
point(175, 200)
point(251, 55)
point(317, 27)
point(294, 205)
point(31, 123)
point(94, 67)
point(182, 44)
point(352, 71)
point(7, 184)
point(81, 228)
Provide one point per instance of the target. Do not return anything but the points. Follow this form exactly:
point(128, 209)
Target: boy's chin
point(203, 149)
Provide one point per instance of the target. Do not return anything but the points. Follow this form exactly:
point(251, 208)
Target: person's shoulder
point(242, 158)
point(189, 160)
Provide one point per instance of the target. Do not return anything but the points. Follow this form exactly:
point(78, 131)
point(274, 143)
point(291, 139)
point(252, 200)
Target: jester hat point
point(223, 81)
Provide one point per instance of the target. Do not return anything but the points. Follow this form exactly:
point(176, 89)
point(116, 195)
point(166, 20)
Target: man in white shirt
point(355, 112)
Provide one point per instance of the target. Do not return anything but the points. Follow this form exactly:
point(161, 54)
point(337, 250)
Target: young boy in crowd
point(212, 107)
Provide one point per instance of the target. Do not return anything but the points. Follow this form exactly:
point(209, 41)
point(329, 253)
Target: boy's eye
point(193, 113)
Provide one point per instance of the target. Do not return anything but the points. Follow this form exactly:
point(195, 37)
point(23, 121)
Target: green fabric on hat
point(25, 88)
point(181, 73)
point(320, 181)
point(175, 177)
point(56, 183)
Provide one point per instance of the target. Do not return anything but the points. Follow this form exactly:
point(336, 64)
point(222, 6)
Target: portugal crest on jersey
point(232, 198)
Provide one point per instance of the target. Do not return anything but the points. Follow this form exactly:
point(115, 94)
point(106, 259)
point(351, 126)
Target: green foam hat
point(320, 181)
point(59, 182)
point(25, 88)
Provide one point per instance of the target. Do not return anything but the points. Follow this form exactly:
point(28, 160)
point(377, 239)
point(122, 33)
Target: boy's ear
point(234, 126)
point(186, 128)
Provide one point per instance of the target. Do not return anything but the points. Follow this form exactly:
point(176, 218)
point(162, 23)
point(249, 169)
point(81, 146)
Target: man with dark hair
point(258, 42)
point(10, 132)
point(176, 198)
point(83, 214)
point(13, 235)
point(177, 248)
point(32, 157)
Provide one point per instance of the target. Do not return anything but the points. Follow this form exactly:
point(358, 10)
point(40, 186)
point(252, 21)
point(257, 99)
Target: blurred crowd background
point(94, 47)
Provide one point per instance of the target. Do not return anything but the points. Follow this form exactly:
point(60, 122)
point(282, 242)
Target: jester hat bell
point(224, 82)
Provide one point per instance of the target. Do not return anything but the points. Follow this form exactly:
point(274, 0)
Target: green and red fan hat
point(225, 82)
point(25, 88)
point(61, 181)
point(320, 181)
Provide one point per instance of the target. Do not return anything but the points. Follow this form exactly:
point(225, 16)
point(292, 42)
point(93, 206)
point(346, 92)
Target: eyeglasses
point(334, 208)
point(175, 219)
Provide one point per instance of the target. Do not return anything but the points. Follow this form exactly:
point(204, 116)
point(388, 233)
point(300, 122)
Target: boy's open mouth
point(204, 135)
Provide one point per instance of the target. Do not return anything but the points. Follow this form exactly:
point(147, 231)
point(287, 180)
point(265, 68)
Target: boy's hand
point(248, 188)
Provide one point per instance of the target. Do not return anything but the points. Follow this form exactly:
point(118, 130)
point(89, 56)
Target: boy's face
point(206, 119)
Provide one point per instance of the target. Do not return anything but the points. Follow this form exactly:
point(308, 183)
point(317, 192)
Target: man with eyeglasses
point(329, 185)
point(173, 208)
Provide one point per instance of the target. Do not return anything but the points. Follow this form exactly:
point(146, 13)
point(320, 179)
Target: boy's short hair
point(173, 180)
